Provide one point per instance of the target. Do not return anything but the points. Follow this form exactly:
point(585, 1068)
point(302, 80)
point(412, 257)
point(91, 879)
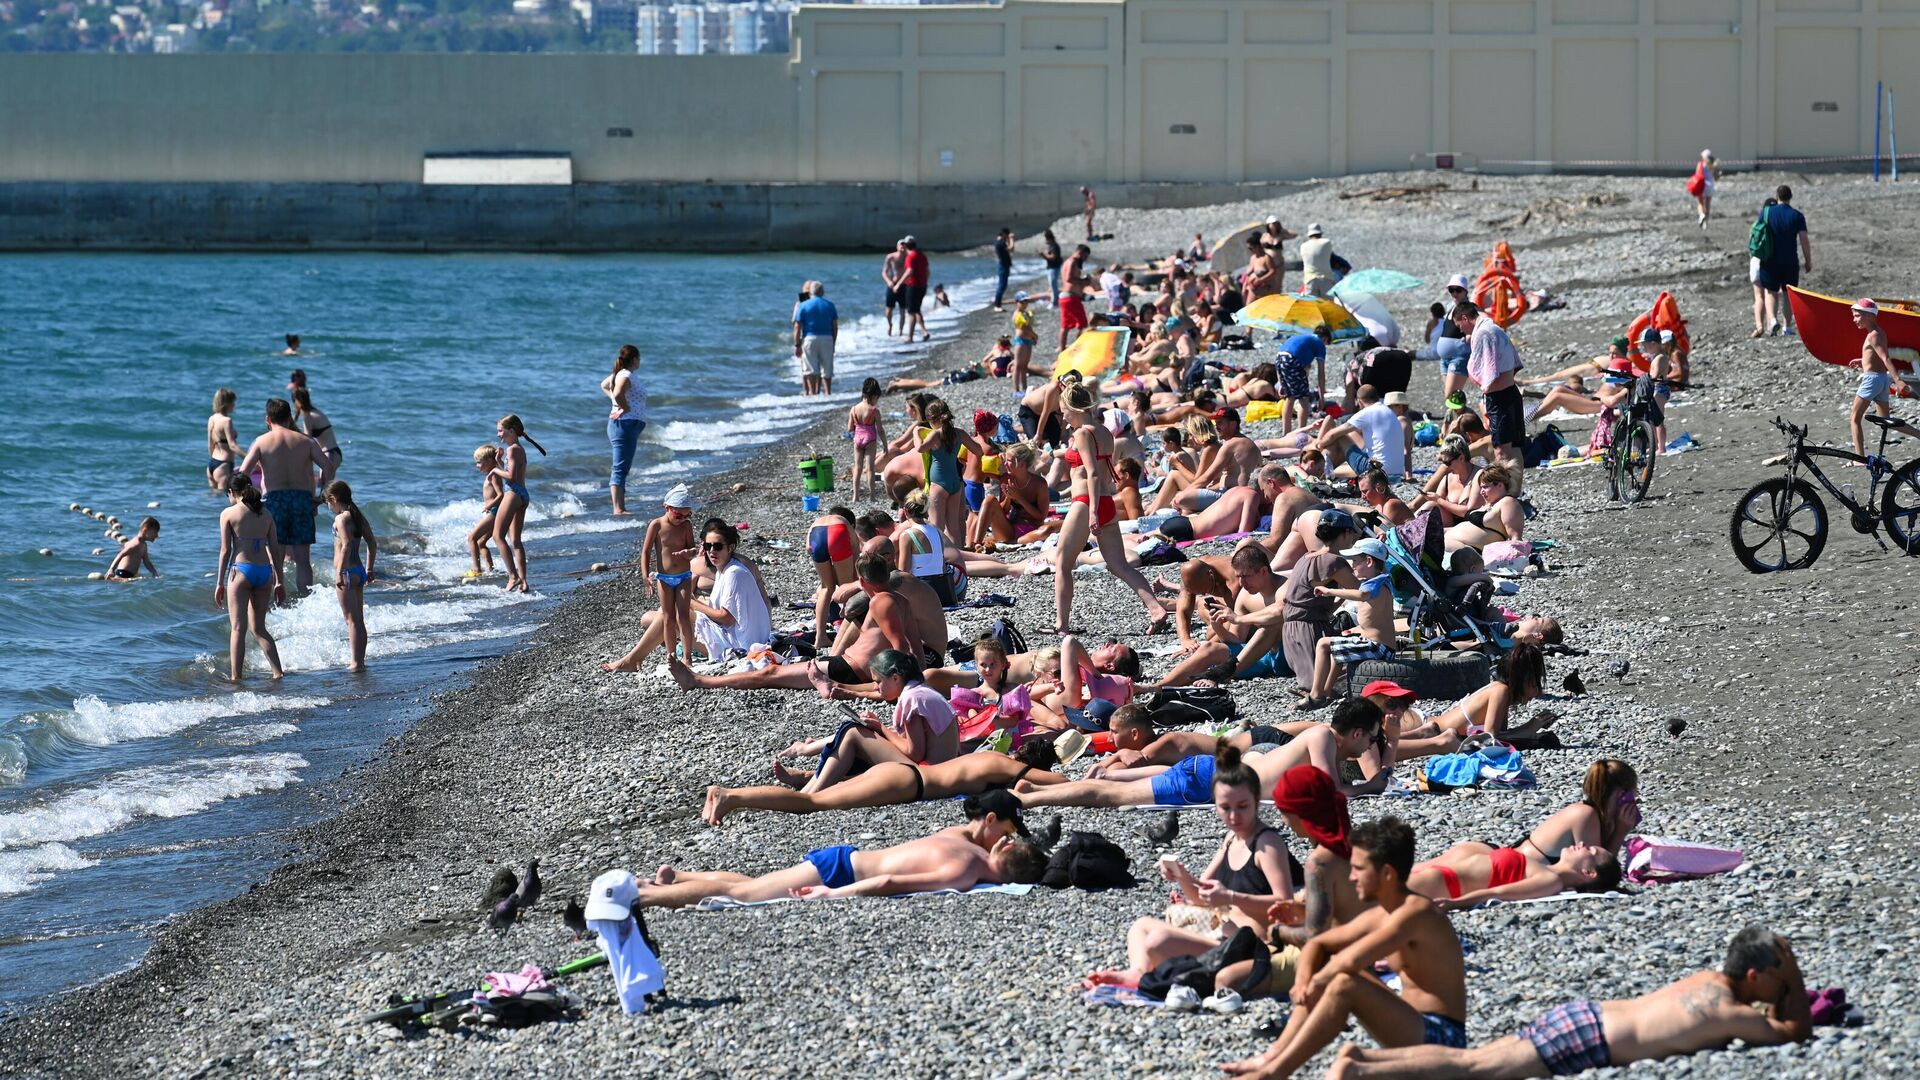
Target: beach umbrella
point(1229, 255)
point(1094, 352)
point(1286, 314)
point(1375, 280)
point(1374, 316)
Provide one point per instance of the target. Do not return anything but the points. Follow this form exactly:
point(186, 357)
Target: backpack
point(1760, 239)
point(1088, 861)
point(1178, 705)
point(1198, 972)
point(1544, 447)
point(1009, 638)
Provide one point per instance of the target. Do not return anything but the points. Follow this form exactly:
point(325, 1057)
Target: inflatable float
point(1095, 352)
point(1664, 315)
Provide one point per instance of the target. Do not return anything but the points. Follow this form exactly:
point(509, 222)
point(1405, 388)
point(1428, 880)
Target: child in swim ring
point(666, 556)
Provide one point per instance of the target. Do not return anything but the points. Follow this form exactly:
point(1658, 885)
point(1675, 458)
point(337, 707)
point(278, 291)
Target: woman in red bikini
point(1089, 459)
point(1473, 873)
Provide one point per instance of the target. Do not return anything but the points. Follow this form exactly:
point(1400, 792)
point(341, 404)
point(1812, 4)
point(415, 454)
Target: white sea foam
point(23, 869)
point(13, 761)
point(254, 734)
point(166, 791)
point(96, 723)
point(311, 635)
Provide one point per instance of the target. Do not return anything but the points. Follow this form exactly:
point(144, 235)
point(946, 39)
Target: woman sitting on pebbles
point(1493, 515)
point(734, 617)
point(1607, 812)
point(1451, 488)
point(1249, 874)
point(1022, 514)
point(892, 783)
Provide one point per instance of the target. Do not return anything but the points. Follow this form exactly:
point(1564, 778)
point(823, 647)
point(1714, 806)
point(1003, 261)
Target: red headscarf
point(985, 422)
point(1309, 794)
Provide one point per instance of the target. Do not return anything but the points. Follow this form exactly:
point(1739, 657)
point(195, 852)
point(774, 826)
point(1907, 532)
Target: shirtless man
point(287, 459)
point(1073, 284)
point(892, 270)
point(1758, 996)
point(1876, 374)
point(888, 625)
point(1241, 577)
point(1237, 510)
point(1335, 980)
point(983, 851)
point(927, 619)
point(1234, 465)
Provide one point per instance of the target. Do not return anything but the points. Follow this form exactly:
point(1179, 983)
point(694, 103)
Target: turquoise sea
point(136, 781)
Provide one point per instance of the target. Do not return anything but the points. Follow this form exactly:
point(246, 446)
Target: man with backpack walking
point(1771, 240)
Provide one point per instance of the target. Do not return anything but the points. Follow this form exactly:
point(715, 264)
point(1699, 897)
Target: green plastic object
point(817, 474)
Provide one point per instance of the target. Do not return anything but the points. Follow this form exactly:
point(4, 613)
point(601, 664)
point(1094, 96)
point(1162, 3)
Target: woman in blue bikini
point(249, 575)
point(511, 519)
point(350, 575)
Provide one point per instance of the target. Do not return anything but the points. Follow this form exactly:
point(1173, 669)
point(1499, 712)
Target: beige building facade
point(1029, 91)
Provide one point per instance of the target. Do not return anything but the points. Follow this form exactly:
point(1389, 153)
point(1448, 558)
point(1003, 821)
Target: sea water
point(136, 781)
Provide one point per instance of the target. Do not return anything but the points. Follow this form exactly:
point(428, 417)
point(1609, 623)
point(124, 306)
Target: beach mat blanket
point(727, 903)
point(1558, 898)
point(1122, 997)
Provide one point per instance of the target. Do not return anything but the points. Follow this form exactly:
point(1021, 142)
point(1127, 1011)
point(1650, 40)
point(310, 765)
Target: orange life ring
point(1663, 315)
point(1499, 295)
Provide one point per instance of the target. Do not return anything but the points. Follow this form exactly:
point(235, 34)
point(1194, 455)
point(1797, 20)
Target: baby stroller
point(1416, 558)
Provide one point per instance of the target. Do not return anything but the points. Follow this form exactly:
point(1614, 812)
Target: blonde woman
point(223, 449)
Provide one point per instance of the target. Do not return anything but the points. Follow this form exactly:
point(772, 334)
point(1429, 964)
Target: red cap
point(1867, 305)
point(1387, 687)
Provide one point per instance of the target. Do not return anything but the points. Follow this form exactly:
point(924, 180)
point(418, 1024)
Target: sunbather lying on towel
point(983, 851)
point(1517, 681)
point(889, 783)
point(1758, 996)
point(1472, 873)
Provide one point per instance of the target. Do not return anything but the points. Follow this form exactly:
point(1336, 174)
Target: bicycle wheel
point(1900, 508)
point(1780, 524)
point(1635, 462)
point(1610, 462)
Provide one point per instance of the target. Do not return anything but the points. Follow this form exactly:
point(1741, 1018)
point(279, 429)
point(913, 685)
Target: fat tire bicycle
point(1781, 522)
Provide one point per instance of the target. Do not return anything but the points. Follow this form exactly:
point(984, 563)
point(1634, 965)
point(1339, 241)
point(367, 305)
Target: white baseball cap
point(1867, 305)
point(1459, 281)
point(1273, 219)
point(613, 896)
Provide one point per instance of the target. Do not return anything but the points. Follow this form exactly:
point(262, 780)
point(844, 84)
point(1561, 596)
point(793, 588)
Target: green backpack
point(1760, 239)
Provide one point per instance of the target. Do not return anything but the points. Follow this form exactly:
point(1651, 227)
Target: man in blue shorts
point(993, 847)
point(286, 459)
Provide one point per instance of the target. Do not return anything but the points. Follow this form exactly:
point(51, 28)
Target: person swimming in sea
point(350, 574)
point(510, 520)
point(666, 557)
point(249, 579)
point(293, 346)
point(133, 554)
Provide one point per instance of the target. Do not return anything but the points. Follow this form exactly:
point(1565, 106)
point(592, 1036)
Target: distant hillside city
point(649, 27)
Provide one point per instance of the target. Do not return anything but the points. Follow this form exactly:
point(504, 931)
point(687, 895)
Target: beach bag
point(1697, 183)
point(1160, 553)
point(1179, 705)
point(1197, 972)
point(1760, 239)
point(1661, 858)
point(1544, 446)
point(1009, 638)
point(1506, 556)
point(1087, 860)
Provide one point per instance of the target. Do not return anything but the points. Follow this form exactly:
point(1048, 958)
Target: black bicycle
point(1781, 523)
point(1630, 454)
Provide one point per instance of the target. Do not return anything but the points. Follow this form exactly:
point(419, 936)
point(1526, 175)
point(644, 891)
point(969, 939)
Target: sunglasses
point(710, 546)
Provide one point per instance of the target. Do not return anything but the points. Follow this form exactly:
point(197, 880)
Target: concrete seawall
point(50, 216)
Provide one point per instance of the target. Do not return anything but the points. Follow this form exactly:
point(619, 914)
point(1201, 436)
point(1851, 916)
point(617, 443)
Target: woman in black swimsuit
point(1224, 897)
point(319, 428)
point(895, 782)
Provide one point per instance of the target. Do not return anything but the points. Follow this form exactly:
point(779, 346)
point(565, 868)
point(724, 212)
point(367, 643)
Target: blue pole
point(1877, 88)
point(1893, 139)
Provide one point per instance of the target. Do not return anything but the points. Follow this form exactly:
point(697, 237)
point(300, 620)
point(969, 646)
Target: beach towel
point(1555, 899)
point(1125, 997)
point(1495, 766)
point(1652, 859)
point(728, 903)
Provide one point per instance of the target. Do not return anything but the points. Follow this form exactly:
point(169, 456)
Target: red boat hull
point(1826, 328)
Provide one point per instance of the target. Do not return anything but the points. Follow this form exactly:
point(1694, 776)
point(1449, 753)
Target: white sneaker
point(1183, 999)
point(1225, 1002)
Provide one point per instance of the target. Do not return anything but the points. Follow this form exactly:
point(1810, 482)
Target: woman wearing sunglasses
point(734, 615)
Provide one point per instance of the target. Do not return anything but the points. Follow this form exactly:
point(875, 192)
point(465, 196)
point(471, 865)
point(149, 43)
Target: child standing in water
point(666, 556)
point(350, 530)
point(249, 578)
point(868, 437)
point(133, 554)
point(486, 459)
point(511, 519)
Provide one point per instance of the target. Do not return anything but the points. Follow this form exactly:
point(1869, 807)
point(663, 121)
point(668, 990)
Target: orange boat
point(1826, 328)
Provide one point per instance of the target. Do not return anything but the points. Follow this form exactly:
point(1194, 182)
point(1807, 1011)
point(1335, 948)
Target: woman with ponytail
point(627, 419)
point(511, 519)
point(350, 530)
point(1089, 459)
point(1609, 809)
point(248, 580)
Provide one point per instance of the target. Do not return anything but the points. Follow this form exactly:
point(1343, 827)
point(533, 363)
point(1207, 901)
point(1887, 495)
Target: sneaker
point(1790, 332)
point(1183, 999)
point(1225, 1002)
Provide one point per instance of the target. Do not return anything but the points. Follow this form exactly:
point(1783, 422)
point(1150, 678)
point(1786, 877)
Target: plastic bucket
point(816, 474)
point(811, 503)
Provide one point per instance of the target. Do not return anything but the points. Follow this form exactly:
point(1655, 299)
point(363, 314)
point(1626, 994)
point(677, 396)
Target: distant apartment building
point(690, 29)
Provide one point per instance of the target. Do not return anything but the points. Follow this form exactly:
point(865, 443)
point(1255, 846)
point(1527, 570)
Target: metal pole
point(1878, 90)
point(1893, 139)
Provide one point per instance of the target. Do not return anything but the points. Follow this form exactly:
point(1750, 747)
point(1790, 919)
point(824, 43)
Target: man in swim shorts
point(984, 851)
point(1758, 996)
point(1335, 981)
point(1073, 280)
point(286, 459)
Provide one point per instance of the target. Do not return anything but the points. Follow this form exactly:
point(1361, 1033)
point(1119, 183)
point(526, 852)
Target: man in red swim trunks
point(1073, 309)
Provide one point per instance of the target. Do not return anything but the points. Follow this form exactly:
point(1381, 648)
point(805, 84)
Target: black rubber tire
point(1439, 678)
point(1767, 505)
point(1636, 460)
point(1900, 508)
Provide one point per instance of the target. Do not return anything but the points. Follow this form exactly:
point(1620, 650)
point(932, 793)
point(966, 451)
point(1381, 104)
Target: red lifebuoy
point(1498, 291)
point(1663, 315)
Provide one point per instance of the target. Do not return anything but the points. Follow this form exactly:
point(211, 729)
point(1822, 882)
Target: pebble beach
point(1793, 689)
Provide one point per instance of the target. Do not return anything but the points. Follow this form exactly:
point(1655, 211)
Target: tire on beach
point(1442, 678)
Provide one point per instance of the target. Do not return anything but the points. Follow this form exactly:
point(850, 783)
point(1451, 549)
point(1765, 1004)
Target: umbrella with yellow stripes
point(1292, 314)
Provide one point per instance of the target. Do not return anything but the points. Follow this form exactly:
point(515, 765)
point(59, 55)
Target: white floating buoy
point(153, 506)
point(108, 533)
point(99, 551)
point(598, 567)
point(73, 506)
point(111, 520)
point(46, 551)
point(96, 576)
